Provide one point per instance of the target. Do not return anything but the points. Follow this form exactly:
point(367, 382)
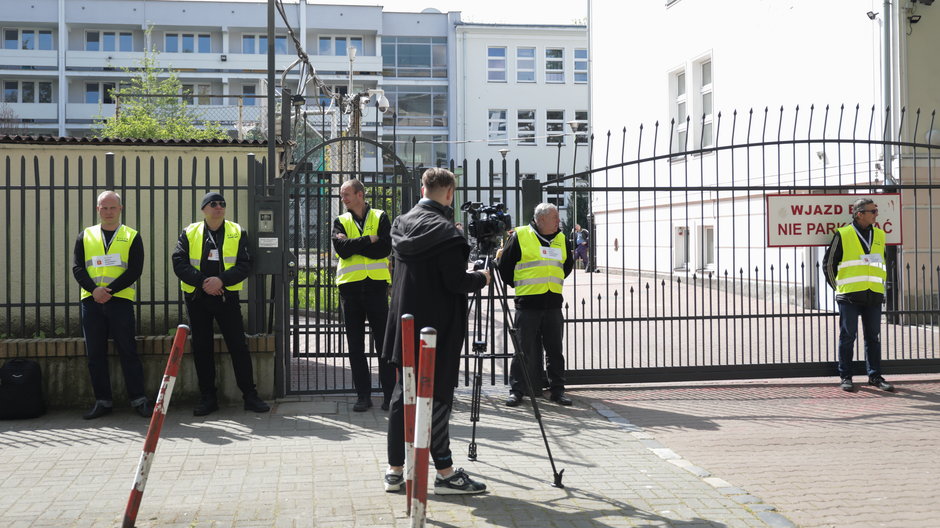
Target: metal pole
point(886, 88)
point(272, 132)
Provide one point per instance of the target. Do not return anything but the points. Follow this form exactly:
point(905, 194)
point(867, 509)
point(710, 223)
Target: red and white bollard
point(156, 424)
point(408, 387)
point(423, 410)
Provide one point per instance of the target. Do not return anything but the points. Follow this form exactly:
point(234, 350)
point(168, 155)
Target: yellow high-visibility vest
point(540, 269)
point(358, 267)
point(858, 271)
point(195, 233)
point(99, 269)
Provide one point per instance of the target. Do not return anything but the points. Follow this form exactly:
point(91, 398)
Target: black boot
point(206, 405)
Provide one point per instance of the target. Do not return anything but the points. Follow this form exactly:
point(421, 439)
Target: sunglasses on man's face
point(214, 204)
point(873, 211)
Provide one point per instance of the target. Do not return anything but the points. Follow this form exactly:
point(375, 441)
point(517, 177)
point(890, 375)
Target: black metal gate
point(686, 286)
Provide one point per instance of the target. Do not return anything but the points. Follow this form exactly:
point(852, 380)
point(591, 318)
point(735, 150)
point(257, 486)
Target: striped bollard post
point(408, 386)
point(423, 410)
point(156, 424)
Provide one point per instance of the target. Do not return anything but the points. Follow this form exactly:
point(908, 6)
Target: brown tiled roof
point(65, 140)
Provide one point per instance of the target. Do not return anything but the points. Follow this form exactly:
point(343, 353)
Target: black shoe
point(458, 484)
point(878, 381)
point(513, 400)
point(144, 409)
point(561, 399)
point(207, 405)
point(385, 405)
point(362, 404)
point(847, 385)
point(256, 404)
point(97, 411)
point(394, 482)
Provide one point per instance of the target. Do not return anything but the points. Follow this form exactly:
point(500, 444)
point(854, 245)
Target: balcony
point(98, 60)
point(35, 110)
point(87, 112)
point(32, 58)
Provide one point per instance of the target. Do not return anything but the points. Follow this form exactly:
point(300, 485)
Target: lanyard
point(107, 243)
point(210, 238)
point(866, 243)
point(543, 239)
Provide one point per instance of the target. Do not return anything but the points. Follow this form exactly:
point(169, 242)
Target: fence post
point(156, 424)
point(423, 410)
point(531, 196)
point(408, 388)
point(109, 171)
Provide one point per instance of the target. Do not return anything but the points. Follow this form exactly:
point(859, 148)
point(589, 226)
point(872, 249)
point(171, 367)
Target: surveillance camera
point(926, 2)
point(383, 104)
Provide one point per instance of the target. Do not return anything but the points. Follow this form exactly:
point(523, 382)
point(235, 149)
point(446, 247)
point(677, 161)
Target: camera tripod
point(479, 352)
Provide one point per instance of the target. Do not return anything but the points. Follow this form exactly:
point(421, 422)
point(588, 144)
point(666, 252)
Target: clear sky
point(495, 11)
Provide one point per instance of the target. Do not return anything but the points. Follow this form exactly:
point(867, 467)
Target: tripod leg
point(535, 406)
point(476, 397)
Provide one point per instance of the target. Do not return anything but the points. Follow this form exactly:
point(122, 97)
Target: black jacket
point(348, 247)
point(211, 268)
point(431, 282)
point(512, 253)
point(831, 260)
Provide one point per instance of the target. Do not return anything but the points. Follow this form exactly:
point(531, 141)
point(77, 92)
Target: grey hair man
point(854, 265)
point(535, 261)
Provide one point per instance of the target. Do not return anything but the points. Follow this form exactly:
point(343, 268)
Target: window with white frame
point(554, 65)
point(414, 57)
point(196, 94)
point(525, 64)
point(706, 247)
point(339, 46)
point(705, 103)
point(258, 44)
point(555, 193)
point(581, 129)
point(27, 39)
point(99, 92)
point(187, 43)
point(525, 127)
point(109, 40)
point(249, 90)
point(496, 127)
point(580, 66)
point(679, 111)
point(27, 92)
point(555, 126)
point(496, 64)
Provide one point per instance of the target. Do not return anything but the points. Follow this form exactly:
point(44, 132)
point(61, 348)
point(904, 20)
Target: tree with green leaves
point(153, 106)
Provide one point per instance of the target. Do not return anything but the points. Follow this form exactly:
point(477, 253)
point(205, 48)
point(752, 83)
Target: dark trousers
point(358, 306)
point(848, 332)
point(440, 429)
point(538, 331)
point(114, 318)
point(225, 310)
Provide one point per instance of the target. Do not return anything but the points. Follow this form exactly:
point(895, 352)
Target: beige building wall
point(48, 195)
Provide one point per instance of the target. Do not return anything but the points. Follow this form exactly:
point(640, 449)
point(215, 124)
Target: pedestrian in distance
point(212, 262)
point(431, 282)
point(854, 265)
point(582, 246)
point(108, 261)
point(535, 261)
point(362, 240)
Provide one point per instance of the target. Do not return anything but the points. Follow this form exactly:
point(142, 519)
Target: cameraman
point(535, 261)
point(431, 282)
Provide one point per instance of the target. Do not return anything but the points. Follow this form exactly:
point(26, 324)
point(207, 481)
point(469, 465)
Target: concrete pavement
point(313, 462)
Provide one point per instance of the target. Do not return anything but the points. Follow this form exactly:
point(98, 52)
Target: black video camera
point(488, 225)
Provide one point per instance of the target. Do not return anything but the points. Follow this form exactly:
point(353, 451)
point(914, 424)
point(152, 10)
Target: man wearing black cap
point(211, 260)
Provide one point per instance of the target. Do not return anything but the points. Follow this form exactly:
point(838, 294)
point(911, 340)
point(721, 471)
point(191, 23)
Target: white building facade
point(59, 60)
point(699, 75)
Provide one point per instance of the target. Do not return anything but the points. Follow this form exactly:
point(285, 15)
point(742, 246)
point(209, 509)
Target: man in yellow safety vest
point(855, 268)
point(109, 258)
point(362, 240)
point(211, 260)
point(535, 261)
